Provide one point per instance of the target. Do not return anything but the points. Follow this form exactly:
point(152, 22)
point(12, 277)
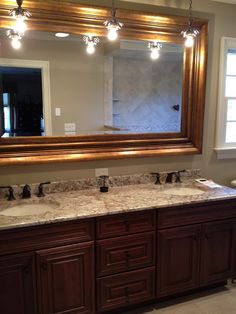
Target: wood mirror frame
point(66, 16)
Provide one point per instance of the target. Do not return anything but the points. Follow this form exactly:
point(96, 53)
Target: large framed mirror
point(60, 103)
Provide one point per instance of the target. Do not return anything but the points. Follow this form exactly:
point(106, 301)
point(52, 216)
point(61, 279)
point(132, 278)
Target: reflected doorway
point(21, 101)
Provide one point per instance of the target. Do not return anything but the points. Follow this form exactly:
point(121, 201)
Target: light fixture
point(113, 25)
point(155, 48)
point(190, 33)
point(15, 38)
point(91, 42)
point(62, 35)
point(20, 15)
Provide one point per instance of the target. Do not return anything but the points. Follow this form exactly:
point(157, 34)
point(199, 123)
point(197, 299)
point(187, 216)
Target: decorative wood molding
point(74, 18)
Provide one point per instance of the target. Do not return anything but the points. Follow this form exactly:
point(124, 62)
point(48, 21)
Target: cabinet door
point(217, 252)
point(17, 284)
point(178, 259)
point(66, 280)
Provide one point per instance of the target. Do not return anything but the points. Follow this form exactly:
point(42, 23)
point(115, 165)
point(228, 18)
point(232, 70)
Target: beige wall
point(76, 80)
point(222, 23)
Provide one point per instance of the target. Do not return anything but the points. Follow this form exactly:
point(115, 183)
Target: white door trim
point(44, 66)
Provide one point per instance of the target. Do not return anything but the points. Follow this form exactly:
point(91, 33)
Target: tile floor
point(216, 301)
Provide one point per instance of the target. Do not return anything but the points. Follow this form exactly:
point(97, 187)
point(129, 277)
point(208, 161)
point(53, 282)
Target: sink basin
point(183, 191)
point(29, 209)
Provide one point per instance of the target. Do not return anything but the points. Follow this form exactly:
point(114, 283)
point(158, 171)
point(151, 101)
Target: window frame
point(224, 150)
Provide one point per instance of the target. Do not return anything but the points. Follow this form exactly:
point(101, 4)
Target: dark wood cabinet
point(117, 291)
point(140, 257)
point(125, 253)
point(125, 224)
point(17, 284)
point(178, 259)
point(217, 252)
point(194, 256)
point(66, 279)
point(125, 260)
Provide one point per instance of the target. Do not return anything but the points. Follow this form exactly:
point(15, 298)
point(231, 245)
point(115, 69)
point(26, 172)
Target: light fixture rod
point(19, 3)
point(190, 12)
point(113, 9)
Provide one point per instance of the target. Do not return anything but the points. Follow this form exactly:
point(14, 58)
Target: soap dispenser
point(104, 188)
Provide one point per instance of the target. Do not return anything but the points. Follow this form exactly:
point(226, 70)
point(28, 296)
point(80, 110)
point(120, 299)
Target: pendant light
point(190, 33)
point(113, 25)
point(15, 39)
point(155, 48)
point(20, 15)
point(91, 42)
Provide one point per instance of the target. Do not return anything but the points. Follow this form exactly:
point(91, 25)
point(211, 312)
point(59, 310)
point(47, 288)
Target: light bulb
point(20, 26)
point(62, 35)
point(112, 34)
point(189, 42)
point(90, 48)
point(16, 44)
point(155, 54)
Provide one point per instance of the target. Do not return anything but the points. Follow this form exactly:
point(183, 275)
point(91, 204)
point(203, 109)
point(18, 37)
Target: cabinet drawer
point(197, 213)
point(122, 290)
point(46, 236)
point(124, 224)
point(125, 253)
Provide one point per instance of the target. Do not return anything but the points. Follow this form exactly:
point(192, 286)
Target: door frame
point(46, 95)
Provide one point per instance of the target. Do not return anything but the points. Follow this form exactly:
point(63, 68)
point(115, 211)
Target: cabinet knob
point(44, 266)
point(127, 226)
point(26, 270)
point(127, 291)
point(127, 257)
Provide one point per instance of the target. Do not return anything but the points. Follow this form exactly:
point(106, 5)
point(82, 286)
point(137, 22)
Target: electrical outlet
point(70, 133)
point(101, 172)
point(70, 127)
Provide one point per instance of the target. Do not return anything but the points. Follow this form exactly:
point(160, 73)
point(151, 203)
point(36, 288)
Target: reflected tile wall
point(144, 93)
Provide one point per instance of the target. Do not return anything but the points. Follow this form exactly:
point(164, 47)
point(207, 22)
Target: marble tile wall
point(145, 92)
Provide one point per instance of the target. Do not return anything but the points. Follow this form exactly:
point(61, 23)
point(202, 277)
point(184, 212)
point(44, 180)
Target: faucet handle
point(40, 189)
point(11, 196)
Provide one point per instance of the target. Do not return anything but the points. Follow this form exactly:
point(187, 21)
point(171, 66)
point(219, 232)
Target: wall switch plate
point(57, 112)
point(70, 127)
point(101, 172)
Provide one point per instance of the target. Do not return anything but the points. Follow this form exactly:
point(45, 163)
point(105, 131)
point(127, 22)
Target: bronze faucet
point(11, 196)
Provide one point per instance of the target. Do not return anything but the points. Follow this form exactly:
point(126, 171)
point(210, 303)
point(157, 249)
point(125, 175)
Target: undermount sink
point(183, 191)
point(29, 209)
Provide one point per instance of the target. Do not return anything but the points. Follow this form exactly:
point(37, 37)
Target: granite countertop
point(89, 203)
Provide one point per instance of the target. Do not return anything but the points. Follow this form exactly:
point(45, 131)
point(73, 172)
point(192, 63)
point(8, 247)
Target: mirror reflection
point(64, 86)
point(21, 108)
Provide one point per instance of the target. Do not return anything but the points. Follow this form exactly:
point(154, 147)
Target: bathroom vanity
point(118, 255)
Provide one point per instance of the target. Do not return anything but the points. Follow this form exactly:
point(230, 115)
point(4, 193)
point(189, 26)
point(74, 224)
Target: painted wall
point(222, 22)
point(76, 80)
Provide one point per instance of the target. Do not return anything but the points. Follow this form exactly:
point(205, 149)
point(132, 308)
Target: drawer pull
point(127, 255)
point(26, 270)
point(44, 266)
point(127, 226)
point(127, 291)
